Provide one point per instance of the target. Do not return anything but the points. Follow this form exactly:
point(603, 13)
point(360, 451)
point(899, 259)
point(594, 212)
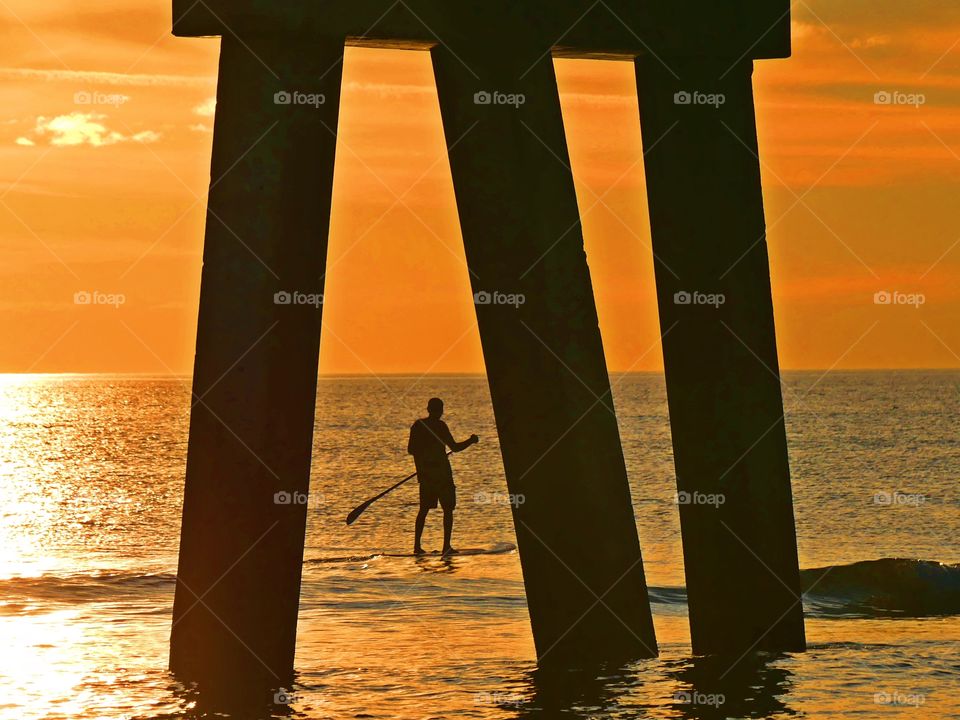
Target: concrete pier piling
point(720, 355)
point(255, 376)
point(576, 532)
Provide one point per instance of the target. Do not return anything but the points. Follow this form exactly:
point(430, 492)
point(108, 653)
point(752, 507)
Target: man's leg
point(448, 501)
point(447, 530)
point(421, 521)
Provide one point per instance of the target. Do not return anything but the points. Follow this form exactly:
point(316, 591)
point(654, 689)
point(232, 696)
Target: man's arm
point(448, 440)
point(412, 442)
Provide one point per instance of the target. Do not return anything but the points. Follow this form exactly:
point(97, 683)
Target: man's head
point(435, 407)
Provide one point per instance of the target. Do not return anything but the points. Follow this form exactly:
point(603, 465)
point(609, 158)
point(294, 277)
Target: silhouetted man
point(429, 439)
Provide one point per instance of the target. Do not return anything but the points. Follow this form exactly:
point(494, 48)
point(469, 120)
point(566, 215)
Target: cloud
point(146, 136)
point(25, 141)
point(207, 108)
point(869, 15)
point(107, 78)
point(626, 101)
point(84, 129)
point(389, 90)
point(77, 129)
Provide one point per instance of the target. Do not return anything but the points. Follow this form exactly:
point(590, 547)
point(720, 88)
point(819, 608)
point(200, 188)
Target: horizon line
point(478, 374)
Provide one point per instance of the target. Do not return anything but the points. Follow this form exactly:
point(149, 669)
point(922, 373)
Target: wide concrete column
point(720, 352)
point(254, 387)
point(576, 532)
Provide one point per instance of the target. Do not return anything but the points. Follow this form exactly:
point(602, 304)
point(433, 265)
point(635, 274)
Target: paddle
point(360, 509)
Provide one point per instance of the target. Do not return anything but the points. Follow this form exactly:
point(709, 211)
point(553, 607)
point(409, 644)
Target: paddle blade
point(357, 512)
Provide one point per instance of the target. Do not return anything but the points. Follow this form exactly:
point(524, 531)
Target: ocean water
point(91, 475)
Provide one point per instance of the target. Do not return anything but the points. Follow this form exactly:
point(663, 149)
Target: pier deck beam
point(722, 370)
point(255, 376)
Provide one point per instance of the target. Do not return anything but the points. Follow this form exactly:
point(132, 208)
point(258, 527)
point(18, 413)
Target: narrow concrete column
point(254, 387)
point(720, 352)
point(576, 532)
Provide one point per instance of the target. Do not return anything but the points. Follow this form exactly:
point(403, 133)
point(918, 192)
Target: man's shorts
point(432, 493)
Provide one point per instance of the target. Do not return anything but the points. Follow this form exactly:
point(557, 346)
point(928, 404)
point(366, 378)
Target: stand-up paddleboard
point(494, 549)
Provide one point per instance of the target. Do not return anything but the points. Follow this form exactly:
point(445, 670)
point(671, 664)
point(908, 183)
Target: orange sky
point(109, 197)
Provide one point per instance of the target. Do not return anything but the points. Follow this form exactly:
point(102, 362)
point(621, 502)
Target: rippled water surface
point(92, 474)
